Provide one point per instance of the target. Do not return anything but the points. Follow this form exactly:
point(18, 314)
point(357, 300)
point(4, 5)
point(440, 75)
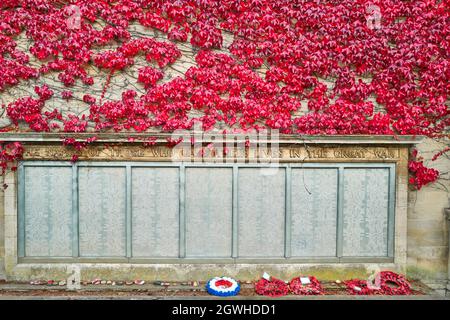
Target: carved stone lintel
point(293, 153)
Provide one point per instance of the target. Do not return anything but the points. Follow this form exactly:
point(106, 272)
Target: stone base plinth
point(191, 272)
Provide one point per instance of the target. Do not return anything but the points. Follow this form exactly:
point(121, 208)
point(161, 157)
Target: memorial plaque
point(48, 211)
point(314, 212)
point(209, 199)
point(208, 209)
point(155, 212)
point(102, 202)
point(366, 203)
point(261, 212)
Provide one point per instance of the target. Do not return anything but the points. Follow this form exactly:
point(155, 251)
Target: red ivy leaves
point(28, 110)
point(9, 154)
point(419, 174)
point(78, 145)
point(205, 34)
point(298, 44)
point(403, 64)
point(149, 76)
point(75, 124)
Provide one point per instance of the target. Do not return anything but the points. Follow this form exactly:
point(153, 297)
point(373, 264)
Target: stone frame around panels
point(447, 213)
point(335, 149)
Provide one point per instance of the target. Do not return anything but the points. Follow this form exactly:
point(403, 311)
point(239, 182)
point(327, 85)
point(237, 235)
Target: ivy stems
point(311, 67)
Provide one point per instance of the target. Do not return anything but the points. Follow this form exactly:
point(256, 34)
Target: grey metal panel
point(48, 211)
point(209, 208)
point(155, 217)
point(102, 205)
point(366, 203)
point(364, 244)
point(314, 212)
point(261, 205)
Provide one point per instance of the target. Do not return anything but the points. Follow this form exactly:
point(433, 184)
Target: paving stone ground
point(150, 291)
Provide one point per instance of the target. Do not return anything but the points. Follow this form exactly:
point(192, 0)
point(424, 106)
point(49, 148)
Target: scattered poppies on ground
point(384, 283)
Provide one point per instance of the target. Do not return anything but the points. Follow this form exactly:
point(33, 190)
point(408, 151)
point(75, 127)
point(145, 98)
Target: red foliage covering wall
point(401, 46)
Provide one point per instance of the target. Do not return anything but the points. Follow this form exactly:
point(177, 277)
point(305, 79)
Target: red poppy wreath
point(359, 287)
point(306, 286)
point(272, 288)
point(386, 283)
point(392, 283)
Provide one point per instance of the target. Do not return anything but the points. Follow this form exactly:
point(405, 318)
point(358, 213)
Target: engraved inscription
point(385, 153)
point(317, 153)
point(295, 153)
point(160, 152)
point(48, 212)
point(164, 153)
point(366, 201)
point(261, 207)
point(101, 212)
point(314, 212)
point(155, 212)
point(208, 209)
point(136, 152)
point(355, 153)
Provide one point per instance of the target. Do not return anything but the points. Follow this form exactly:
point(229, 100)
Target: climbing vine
point(9, 154)
point(302, 67)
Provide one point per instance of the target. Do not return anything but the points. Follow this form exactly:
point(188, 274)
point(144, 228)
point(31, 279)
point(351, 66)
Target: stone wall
point(2, 234)
point(427, 248)
point(428, 237)
point(330, 150)
point(427, 229)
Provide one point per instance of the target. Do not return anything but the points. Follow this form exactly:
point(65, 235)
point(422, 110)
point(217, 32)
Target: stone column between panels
point(10, 222)
point(447, 211)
